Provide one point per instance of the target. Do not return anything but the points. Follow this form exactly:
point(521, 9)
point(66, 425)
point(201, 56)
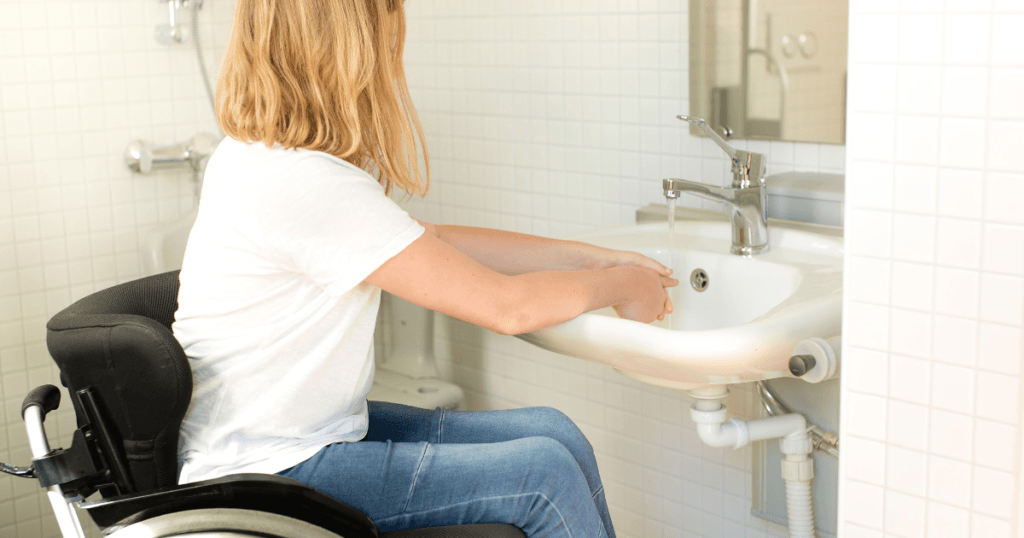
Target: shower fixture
point(176, 31)
point(141, 156)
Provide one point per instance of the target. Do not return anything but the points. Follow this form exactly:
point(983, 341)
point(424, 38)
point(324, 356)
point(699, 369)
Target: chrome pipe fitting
point(141, 156)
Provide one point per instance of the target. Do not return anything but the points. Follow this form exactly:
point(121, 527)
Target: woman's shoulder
point(276, 161)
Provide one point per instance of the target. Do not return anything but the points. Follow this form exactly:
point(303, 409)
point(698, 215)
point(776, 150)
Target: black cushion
point(118, 342)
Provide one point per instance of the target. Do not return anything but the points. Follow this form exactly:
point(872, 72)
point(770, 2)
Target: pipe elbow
point(733, 433)
point(716, 430)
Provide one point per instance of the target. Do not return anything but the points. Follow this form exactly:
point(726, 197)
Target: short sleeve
point(332, 223)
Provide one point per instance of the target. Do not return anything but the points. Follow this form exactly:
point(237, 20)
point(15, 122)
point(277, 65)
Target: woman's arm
point(512, 253)
point(435, 275)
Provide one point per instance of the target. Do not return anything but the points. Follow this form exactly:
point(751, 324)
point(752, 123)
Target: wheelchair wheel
point(222, 523)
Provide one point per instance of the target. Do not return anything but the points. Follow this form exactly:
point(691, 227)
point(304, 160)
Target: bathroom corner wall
point(554, 116)
point(78, 80)
point(934, 316)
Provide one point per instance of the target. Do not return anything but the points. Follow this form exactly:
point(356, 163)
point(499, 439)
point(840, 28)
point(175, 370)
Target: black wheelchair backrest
point(128, 377)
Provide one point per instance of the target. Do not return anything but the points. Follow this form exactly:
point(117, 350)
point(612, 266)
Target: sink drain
point(699, 280)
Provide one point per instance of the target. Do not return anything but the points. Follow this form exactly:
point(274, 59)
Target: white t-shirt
point(273, 312)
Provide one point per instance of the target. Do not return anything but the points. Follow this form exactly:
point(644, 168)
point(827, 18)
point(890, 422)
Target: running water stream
point(671, 219)
point(671, 238)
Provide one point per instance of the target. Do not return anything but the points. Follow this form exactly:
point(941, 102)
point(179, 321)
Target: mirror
point(770, 69)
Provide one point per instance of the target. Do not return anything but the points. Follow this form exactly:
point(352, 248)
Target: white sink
point(742, 327)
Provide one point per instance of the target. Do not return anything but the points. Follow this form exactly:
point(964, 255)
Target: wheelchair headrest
point(118, 342)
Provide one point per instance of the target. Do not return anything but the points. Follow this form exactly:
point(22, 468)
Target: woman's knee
point(562, 428)
point(551, 415)
point(550, 455)
point(551, 419)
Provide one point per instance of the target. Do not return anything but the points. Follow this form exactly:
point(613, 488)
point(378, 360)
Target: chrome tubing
point(822, 440)
point(67, 519)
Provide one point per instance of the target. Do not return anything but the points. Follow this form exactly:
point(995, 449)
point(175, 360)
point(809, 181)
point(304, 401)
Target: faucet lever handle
point(712, 134)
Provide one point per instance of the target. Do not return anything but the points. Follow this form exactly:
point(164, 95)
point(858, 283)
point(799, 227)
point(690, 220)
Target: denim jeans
point(532, 468)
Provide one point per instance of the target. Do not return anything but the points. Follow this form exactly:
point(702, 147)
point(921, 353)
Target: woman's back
point(273, 312)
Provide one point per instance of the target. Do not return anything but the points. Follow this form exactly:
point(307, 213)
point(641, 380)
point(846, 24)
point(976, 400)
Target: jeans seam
point(440, 424)
point(597, 492)
point(406, 513)
point(416, 476)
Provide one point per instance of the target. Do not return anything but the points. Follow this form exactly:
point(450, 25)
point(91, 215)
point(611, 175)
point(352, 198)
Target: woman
point(281, 281)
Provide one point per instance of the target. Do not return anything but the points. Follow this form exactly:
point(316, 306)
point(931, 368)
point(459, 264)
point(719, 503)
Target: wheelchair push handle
point(47, 397)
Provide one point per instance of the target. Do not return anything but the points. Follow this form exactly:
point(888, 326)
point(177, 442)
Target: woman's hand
point(648, 297)
point(608, 258)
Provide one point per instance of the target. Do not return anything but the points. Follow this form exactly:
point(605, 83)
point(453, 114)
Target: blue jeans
point(532, 468)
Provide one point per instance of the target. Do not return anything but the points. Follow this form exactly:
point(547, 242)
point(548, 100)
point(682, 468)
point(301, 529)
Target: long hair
point(325, 75)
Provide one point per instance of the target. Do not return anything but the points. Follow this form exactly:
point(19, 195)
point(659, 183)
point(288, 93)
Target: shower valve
point(141, 156)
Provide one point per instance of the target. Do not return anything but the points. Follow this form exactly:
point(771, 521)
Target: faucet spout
point(747, 204)
point(675, 187)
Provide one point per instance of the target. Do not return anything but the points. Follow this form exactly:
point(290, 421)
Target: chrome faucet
point(746, 197)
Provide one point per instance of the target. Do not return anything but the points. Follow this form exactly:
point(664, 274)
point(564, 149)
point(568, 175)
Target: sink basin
point(742, 327)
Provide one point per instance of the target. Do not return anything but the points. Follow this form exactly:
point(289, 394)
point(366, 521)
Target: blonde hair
point(325, 75)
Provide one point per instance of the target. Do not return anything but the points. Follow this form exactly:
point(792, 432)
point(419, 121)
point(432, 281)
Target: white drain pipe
point(798, 472)
point(717, 430)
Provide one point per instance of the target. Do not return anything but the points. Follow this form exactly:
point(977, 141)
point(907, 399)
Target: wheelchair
point(130, 384)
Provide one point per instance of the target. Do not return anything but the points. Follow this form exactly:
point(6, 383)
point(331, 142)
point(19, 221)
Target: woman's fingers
point(668, 296)
point(654, 264)
point(613, 258)
point(626, 257)
point(667, 283)
point(657, 266)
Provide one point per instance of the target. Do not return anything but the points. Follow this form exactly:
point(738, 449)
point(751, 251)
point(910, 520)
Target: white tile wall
point(78, 80)
point(946, 413)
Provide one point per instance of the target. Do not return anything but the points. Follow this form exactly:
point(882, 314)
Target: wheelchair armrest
point(262, 492)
